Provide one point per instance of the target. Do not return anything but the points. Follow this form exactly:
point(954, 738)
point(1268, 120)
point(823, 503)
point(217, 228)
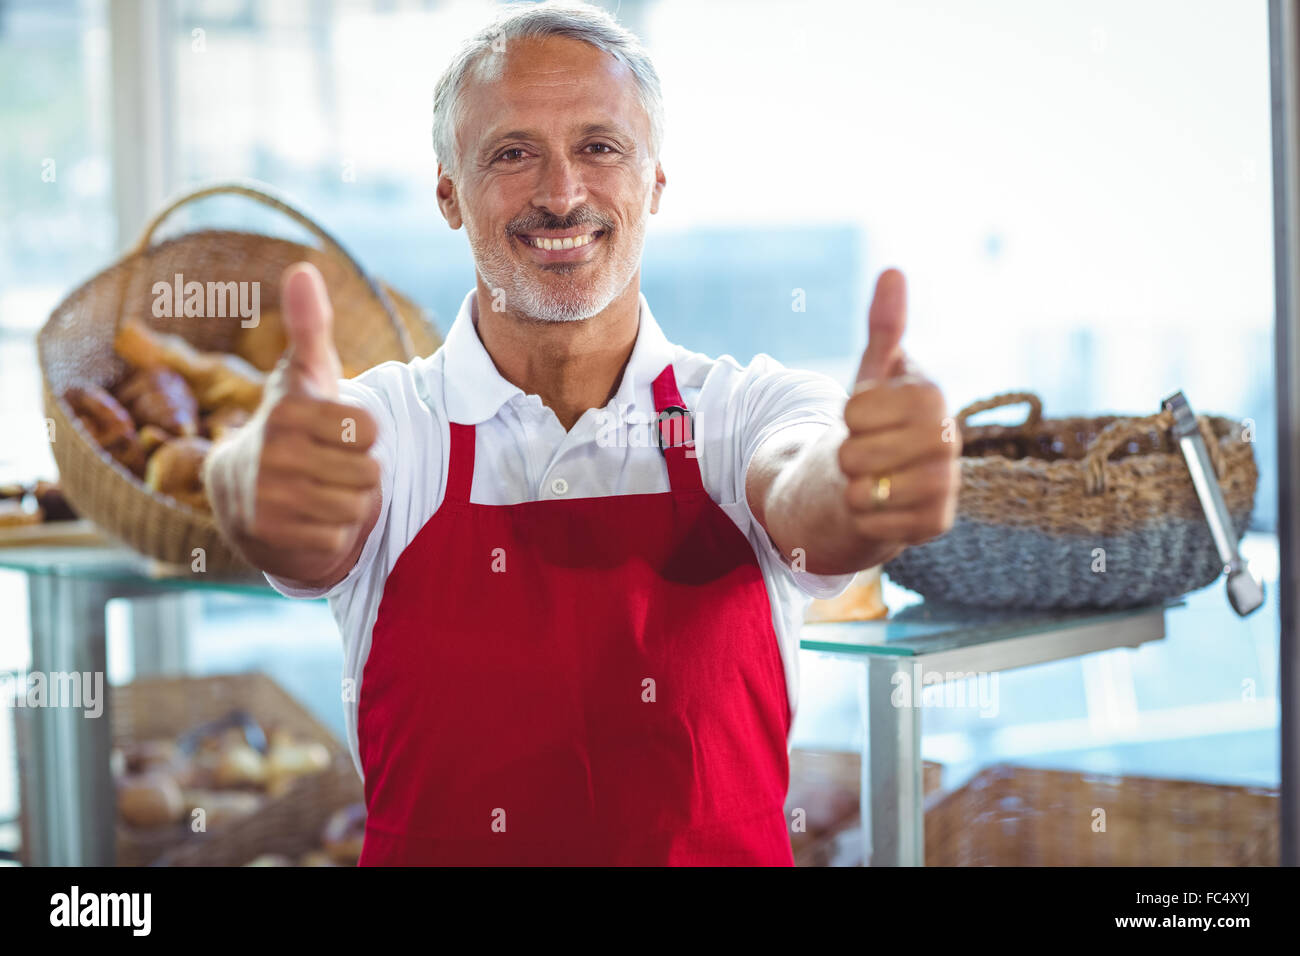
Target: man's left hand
point(901, 454)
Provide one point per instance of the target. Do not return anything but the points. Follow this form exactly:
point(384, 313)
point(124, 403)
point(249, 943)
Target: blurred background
point(1079, 195)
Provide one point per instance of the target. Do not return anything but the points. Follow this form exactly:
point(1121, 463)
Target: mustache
point(532, 224)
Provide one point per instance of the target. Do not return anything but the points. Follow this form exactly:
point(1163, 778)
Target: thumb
point(884, 358)
point(313, 362)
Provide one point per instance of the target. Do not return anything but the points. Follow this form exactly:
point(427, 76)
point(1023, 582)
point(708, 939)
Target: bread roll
point(150, 799)
point(287, 762)
point(143, 756)
point(152, 438)
point(217, 378)
point(176, 469)
point(240, 766)
point(50, 497)
point(263, 344)
point(109, 425)
point(225, 420)
point(159, 396)
point(229, 380)
point(103, 415)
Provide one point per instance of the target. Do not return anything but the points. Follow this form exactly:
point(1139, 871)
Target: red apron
point(585, 682)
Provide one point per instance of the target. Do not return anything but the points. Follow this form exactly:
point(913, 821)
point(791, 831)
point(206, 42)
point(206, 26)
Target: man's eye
point(603, 146)
point(505, 153)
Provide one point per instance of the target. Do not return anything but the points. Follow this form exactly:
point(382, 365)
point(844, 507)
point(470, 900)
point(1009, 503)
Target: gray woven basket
point(1079, 513)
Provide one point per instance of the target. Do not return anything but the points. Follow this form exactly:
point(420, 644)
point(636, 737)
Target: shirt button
point(559, 486)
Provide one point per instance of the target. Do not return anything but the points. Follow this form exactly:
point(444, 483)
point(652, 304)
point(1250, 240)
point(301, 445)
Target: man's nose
point(561, 188)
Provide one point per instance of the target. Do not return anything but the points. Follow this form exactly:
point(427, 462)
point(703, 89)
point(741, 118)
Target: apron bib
point(586, 682)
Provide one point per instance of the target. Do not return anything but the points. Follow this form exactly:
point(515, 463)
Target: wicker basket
point(157, 708)
point(826, 786)
point(1018, 816)
point(1038, 499)
point(282, 828)
point(372, 324)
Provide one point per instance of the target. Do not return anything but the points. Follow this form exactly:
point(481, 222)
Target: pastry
point(12, 513)
point(240, 766)
point(229, 380)
point(50, 497)
point(217, 378)
point(109, 425)
point(159, 396)
point(152, 438)
point(198, 772)
point(287, 760)
point(176, 469)
point(225, 420)
point(104, 417)
point(263, 344)
point(150, 799)
point(142, 756)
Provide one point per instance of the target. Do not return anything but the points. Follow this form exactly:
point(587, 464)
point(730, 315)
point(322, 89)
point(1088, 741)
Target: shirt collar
point(474, 390)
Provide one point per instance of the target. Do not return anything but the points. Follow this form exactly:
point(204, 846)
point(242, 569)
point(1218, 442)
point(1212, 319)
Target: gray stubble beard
point(529, 298)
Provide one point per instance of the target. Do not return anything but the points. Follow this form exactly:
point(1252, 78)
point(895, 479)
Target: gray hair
point(562, 18)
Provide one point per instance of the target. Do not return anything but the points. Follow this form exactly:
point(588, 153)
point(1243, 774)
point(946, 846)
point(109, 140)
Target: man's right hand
point(296, 489)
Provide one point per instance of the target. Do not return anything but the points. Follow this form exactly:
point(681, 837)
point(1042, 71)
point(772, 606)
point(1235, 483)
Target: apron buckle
point(676, 428)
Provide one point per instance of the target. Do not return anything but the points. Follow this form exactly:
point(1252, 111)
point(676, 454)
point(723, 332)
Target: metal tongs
point(1245, 589)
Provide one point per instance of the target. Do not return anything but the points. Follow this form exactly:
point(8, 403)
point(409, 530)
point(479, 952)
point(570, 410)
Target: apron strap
point(676, 433)
point(460, 439)
point(460, 470)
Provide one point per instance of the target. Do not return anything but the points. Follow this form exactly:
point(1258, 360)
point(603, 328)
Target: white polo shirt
point(523, 453)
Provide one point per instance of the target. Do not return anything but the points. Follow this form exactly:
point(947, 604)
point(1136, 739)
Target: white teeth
point(542, 242)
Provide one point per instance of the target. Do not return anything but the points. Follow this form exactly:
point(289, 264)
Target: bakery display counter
point(67, 771)
point(923, 644)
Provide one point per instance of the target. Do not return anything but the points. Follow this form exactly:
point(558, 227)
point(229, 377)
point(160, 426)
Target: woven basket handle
point(1006, 398)
point(1122, 431)
point(262, 195)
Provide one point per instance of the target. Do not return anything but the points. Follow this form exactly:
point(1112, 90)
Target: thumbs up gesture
point(900, 456)
point(311, 362)
point(296, 489)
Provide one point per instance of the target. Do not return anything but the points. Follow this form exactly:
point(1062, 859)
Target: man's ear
point(658, 190)
point(448, 201)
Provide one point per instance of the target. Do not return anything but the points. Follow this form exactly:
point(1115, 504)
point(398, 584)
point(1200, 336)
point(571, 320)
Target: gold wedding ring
point(880, 491)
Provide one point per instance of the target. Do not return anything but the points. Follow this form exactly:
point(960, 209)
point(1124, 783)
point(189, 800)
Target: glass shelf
point(930, 627)
point(118, 565)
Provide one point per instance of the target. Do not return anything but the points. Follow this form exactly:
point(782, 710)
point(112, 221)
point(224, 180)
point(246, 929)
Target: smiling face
point(555, 179)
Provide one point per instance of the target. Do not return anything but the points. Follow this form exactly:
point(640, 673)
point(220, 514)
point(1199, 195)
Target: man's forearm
point(804, 508)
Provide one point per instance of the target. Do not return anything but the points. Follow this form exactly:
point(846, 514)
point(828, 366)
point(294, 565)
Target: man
point(569, 645)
